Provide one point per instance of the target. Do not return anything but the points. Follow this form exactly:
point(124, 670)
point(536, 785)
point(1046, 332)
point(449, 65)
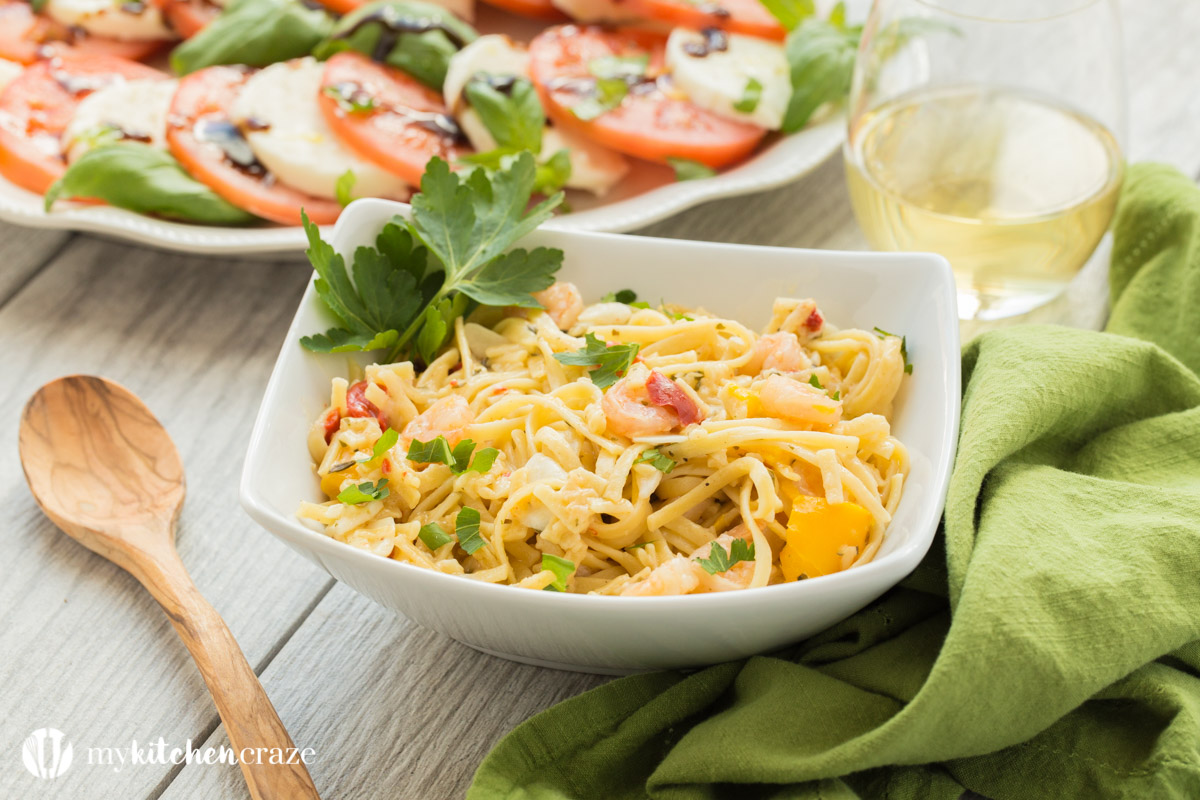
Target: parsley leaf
point(660, 461)
point(790, 13)
point(437, 451)
point(364, 492)
point(466, 528)
point(719, 560)
point(750, 97)
point(688, 170)
point(434, 536)
point(815, 381)
point(384, 443)
point(562, 569)
point(837, 394)
point(611, 362)
point(882, 334)
point(344, 188)
point(553, 173)
point(513, 117)
point(625, 296)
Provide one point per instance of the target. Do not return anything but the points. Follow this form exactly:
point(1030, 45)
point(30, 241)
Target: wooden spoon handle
point(250, 720)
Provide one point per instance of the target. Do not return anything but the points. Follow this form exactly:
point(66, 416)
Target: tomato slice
point(205, 141)
point(738, 16)
point(25, 37)
point(406, 125)
point(188, 17)
point(538, 9)
point(37, 106)
point(343, 6)
point(651, 121)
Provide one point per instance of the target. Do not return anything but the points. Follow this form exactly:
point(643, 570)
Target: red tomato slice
point(407, 125)
point(343, 6)
point(24, 34)
point(538, 9)
point(205, 141)
point(188, 17)
point(37, 106)
point(739, 16)
point(652, 121)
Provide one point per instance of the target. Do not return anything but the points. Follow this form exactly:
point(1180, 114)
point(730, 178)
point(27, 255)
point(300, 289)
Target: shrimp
point(789, 399)
point(629, 410)
point(447, 417)
point(736, 577)
point(777, 351)
point(682, 575)
point(562, 302)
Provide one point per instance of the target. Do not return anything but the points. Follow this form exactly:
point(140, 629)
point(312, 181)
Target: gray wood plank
point(23, 251)
point(87, 651)
point(392, 709)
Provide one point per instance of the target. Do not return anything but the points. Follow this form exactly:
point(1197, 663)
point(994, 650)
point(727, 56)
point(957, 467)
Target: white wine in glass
point(1014, 184)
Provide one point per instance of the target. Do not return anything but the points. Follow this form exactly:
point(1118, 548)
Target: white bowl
point(906, 293)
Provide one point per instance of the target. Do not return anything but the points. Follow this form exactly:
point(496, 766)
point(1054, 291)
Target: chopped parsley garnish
point(640, 545)
point(384, 443)
point(344, 188)
point(364, 492)
point(688, 170)
point(815, 381)
point(837, 395)
point(434, 536)
point(438, 451)
point(562, 569)
point(466, 528)
point(882, 334)
point(611, 362)
point(719, 560)
point(750, 97)
point(422, 274)
point(660, 461)
point(626, 296)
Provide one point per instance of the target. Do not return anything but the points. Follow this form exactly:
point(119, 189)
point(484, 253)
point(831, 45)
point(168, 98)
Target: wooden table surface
point(392, 710)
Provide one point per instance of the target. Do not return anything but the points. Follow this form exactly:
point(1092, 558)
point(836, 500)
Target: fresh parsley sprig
point(882, 334)
point(719, 559)
point(438, 451)
point(660, 461)
point(611, 362)
point(466, 528)
point(434, 536)
point(562, 569)
point(422, 273)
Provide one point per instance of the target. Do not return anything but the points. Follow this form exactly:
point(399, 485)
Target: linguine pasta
point(718, 459)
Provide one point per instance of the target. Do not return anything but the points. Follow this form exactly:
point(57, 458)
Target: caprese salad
point(199, 111)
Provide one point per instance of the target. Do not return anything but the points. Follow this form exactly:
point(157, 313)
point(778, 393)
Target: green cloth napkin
point(1048, 646)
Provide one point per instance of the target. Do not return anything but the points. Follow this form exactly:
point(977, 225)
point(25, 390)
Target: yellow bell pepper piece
point(818, 533)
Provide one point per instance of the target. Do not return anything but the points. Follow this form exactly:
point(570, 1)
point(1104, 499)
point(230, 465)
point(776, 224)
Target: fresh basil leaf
point(147, 180)
point(750, 97)
point(466, 528)
point(483, 460)
point(720, 560)
point(514, 117)
point(344, 188)
point(611, 362)
point(619, 67)
point(434, 536)
point(790, 13)
point(423, 37)
point(607, 94)
point(364, 492)
point(688, 170)
point(256, 33)
point(562, 568)
point(660, 461)
point(821, 56)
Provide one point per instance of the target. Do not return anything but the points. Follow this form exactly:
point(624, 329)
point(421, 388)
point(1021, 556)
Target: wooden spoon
point(106, 472)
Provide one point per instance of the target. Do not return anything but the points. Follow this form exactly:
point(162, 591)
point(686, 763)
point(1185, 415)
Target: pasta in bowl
point(620, 449)
point(909, 294)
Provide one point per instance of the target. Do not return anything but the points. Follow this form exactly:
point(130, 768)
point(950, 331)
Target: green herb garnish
point(350, 100)
point(814, 381)
point(626, 296)
point(364, 492)
point(611, 362)
point(882, 334)
point(438, 451)
point(660, 461)
point(514, 118)
point(720, 560)
point(562, 569)
point(434, 536)
point(344, 188)
point(790, 13)
point(384, 443)
point(619, 67)
point(606, 95)
point(750, 97)
point(466, 528)
point(688, 170)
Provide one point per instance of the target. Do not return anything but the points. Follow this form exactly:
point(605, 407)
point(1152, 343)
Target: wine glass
point(990, 132)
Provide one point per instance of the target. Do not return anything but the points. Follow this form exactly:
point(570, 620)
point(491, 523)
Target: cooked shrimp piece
point(562, 302)
point(777, 351)
point(447, 417)
point(736, 577)
point(678, 575)
point(630, 412)
point(789, 399)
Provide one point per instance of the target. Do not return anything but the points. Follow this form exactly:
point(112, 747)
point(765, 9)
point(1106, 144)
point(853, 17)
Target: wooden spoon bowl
point(106, 471)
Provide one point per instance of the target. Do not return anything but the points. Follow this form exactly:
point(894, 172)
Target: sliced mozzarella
point(719, 79)
point(493, 54)
point(134, 20)
point(278, 114)
point(597, 10)
point(9, 70)
point(134, 110)
point(593, 168)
